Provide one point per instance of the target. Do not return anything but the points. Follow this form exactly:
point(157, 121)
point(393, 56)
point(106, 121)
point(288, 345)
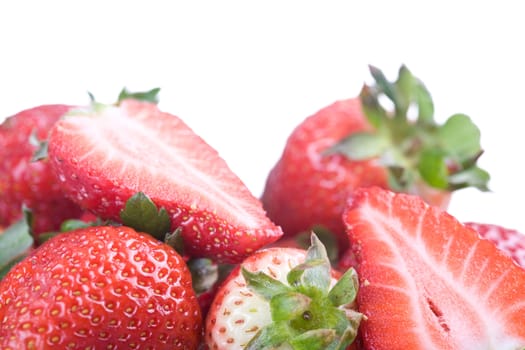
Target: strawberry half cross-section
point(104, 154)
point(428, 281)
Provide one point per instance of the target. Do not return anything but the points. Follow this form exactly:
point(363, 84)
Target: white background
point(243, 74)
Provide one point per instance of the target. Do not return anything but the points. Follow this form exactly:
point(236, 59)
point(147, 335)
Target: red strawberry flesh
point(103, 158)
point(510, 241)
point(429, 282)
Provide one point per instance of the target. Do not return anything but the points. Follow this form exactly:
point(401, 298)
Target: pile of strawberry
point(123, 229)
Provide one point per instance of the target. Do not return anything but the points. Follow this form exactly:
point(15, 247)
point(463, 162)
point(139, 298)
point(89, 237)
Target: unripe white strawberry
point(284, 297)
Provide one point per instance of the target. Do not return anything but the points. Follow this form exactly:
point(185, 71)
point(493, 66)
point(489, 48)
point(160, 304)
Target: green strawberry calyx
point(97, 108)
point(408, 141)
point(15, 242)
point(307, 313)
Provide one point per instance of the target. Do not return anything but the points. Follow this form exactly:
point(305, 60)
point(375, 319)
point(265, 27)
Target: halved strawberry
point(508, 240)
point(428, 281)
point(103, 155)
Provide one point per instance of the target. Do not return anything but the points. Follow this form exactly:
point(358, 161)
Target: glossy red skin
point(510, 241)
point(103, 189)
point(307, 188)
point(100, 287)
point(32, 184)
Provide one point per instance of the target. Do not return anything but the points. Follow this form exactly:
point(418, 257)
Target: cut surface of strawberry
point(508, 240)
point(428, 281)
point(104, 155)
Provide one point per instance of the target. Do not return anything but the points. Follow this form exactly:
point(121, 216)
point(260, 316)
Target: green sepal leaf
point(360, 146)
point(92, 98)
point(264, 285)
point(383, 84)
point(175, 240)
point(316, 339)
point(317, 250)
point(41, 147)
point(303, 240)
point(417, 150)
point(313, 276)
point(405, 90)
point(471, 177)
point(349, 334)
point(44, 237)
point(70, 225)
point(271, 337)
point(204, 273)
point(75, 224)
point(142, 214)
point(374, 112)
point(303, 316)
point(289, 305)
point(94, 106)
point(460, 137)
point(399, 178)
point(146, 96)
point(345, 290)
point(425, 105)
point(433, 168)
point(15, 242)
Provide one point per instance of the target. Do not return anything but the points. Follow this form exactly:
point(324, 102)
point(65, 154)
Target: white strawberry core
point(448, 293)
point(158, 154)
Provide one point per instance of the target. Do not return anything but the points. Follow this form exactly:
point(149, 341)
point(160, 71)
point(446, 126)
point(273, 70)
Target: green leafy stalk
point(415, 148)
point(146, 96)
point(15, 242)
point(142, 214)
point(307, 313)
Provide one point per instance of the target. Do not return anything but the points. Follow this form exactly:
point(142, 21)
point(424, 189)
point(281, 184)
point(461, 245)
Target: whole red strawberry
point(28, 183)
point(100, 288)
point(104, 155)
point(359, 143)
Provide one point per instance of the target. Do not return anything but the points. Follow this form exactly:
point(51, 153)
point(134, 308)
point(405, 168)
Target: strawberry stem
point(143, 215)
point(15, 242)
point(415, 150)
point(307, 313)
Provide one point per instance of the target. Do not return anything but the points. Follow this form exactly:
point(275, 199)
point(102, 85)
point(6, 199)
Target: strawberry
point(100, 287)
point(428, 281)
point(284, 298)
point(358, 143)
point(28, 183)
point(508, 240)
point(103, 155)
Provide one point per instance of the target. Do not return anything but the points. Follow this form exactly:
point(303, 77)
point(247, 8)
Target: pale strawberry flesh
point(104, 157)
point(429, 282)
point(237, 313)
